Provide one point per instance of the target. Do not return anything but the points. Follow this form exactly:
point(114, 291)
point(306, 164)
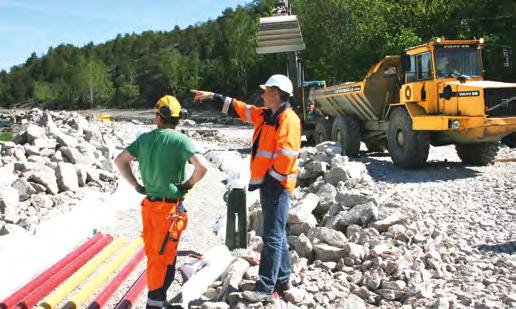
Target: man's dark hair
point(169, 122)
point(283, 95)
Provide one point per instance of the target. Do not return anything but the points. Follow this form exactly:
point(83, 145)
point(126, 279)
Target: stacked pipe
point(75, 268)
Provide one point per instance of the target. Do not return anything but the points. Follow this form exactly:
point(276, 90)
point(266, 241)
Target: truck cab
point(431, 67)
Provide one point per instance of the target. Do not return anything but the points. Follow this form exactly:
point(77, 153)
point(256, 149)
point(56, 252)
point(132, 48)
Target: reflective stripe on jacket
point(276, 141)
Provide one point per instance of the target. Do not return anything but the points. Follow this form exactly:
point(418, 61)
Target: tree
point(239, 30)
point(43, 92)
point(91, 82)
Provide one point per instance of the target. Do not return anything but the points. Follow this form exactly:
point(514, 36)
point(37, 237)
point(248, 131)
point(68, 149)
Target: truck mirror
point(507, 53)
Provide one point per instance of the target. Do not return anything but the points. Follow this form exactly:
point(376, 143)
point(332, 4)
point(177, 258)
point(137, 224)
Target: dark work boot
point(156, 299)
point(282, 287)
point(256, 297)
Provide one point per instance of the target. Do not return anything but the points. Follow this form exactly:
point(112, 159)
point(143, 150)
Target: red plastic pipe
point(132, 295)
point(45, 288)
point(34, 283)
point(115, 283)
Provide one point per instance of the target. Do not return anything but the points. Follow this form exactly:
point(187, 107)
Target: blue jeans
point(275, 264)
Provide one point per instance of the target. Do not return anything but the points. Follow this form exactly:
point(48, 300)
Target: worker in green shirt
point(162, 155)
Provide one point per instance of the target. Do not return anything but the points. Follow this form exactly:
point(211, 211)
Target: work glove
point(141, 189)
point(184, 186)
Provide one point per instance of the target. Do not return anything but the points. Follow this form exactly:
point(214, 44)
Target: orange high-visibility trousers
point(156, 223)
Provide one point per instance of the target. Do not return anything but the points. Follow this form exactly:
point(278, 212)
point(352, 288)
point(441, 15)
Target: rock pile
point(51, 162)
point(354, 248)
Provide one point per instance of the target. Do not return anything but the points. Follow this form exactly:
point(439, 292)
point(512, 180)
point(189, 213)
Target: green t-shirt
point(162, 155)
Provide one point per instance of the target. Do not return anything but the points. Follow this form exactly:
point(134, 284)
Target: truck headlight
point(455, 124)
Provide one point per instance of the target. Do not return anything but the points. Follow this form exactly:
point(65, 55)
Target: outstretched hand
point(200, 95)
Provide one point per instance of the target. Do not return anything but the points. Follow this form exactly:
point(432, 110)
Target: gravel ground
point(469, 209)
point(473, 206)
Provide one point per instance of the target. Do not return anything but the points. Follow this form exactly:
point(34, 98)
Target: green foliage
point(344, 38)
point(43, 91)
point(91, 83)
point(6, 136)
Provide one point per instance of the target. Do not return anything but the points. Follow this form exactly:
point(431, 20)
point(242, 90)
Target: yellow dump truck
point(433, 94)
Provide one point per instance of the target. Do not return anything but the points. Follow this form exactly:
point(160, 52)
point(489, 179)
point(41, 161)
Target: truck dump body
point(368, 99)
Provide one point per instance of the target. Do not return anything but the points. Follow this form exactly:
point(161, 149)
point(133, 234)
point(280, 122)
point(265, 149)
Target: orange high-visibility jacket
point(276, 141)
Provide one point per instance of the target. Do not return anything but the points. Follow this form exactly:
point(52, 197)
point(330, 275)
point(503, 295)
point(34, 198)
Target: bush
point(6, 136)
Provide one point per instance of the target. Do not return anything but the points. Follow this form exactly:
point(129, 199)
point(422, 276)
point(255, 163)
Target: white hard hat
point(280, 81)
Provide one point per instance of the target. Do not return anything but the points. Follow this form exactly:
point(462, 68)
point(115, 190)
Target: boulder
point(46, 177)
point(34, 132)
point(361, 214)
point(328, 236)
point(327, 253)
point(66, 175)
point(24, 188)
point(304, 247)
point(301, 211)
point(9, 204)
point(327, 194)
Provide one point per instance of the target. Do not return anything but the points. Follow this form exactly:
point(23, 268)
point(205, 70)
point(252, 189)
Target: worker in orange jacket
point(162, 155)
point(274, 152)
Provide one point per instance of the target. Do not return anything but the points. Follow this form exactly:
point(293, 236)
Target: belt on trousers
point(163, 199)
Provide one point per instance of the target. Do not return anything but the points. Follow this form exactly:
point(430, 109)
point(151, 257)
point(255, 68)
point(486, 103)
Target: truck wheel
point(322, 131)
point(346, 131)
point(510, 140)
point(408, 148)
point(477, 154)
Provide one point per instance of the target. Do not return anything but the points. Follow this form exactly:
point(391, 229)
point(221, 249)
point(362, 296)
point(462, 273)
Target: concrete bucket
point(278, 34)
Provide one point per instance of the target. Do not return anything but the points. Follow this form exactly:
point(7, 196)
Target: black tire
point(376, 146)
point(478, 154)
point(322, 131)
point(408, 148)
point(510, 140)
point(346, 131)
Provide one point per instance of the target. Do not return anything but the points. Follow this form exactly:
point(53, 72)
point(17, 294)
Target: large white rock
point(73, 155)
point(41, 201)
point(9, 202)
point(218, 259)
point(329, 236)
point(7, 176)
point(65, 140)
point(361, 215)
point(304, 247)
point(352, 301)
point(354, 197)
point(34, 132)
point(45, 176)
point(327, 194)
point(383, 225)
point(24, 188)
point(232, 276)
point(327, 253)
point(301, 211)
point(67, 179)
point(336, 174)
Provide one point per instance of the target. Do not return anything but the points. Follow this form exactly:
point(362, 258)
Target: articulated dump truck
point(434, 94)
